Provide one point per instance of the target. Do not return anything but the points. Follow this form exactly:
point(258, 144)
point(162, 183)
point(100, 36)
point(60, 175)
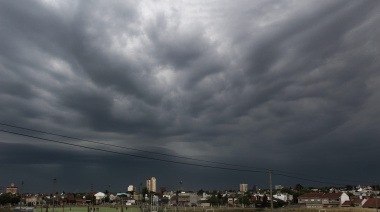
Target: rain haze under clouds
point(287, 85)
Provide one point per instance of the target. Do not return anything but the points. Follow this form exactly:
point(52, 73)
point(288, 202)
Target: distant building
point(233, 198)
point(278, 187)
point(12, 189)
point(99, 196)
point(371, 203)
point(319, 200)
point(188, 199)
point(131, 188)
point(162, 190)
point(255, 188)
point(243, 187)
point(354, 202)
point(284, 197)
point(151, 184)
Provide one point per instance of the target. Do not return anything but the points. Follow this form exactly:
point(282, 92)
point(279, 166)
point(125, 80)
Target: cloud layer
point(288, 85)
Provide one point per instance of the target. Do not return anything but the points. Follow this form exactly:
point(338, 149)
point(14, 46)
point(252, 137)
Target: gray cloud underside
point(225, 81)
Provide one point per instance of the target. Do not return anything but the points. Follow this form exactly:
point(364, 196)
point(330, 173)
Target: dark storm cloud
point(250, 82)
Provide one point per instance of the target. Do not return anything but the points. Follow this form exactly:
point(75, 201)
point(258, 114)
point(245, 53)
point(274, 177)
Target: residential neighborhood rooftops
point(322, 195)
point(332, 195)
point(310, 195)
point(371, 203)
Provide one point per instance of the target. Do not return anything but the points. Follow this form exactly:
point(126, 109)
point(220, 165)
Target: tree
point(265, 201)
point(90, 197)
point(213, 200)
point(220, 198)
point(15, 199)
point(107, 199)
point(200, 192)
point(349, 187)
point(244, 200)
point(324, 190)
point(5, 199)
point(144, 192)
point(287, 190)
point(224, 200)
point(299, 187)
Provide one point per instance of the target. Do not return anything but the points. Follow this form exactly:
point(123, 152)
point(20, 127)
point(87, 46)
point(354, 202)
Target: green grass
point(191, 209)
point(137, 209)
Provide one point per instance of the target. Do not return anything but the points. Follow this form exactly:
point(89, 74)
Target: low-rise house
point(311, 200)
point(99, 197)
point(233, 198)
point(371, 203)
point(188, 198)
point(354, 203)
point(364, 192)
point(284, 197)
point(334, 199)
point(33, 200)
point(319, 200)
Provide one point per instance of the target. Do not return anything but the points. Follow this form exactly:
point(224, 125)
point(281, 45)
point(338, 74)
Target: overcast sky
point(287, 85)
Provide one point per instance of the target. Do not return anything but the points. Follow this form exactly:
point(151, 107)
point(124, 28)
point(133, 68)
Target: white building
point(278, 187)
point(243, 187)
point(131, 188)
point(284, 197)
point(151, 184)
point(99, 196)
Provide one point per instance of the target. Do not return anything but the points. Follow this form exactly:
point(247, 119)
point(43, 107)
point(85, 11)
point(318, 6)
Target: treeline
point(9, 199)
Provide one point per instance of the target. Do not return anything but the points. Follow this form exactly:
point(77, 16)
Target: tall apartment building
point(151, 184)
point(131, 188)
point(243, 187)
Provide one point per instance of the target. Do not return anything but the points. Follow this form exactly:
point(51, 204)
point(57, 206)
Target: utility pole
point(270, 187)
point(377, 207)
point(92, 198)
point(122, 204)
point(22, 187)
point(54, 181)
point(141, 196)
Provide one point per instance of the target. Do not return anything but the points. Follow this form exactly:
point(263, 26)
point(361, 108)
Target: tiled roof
point(332, 195)
point(358, 201)
point(322, 195)
point(347, 203)
point(371, 203)
point(311, 195)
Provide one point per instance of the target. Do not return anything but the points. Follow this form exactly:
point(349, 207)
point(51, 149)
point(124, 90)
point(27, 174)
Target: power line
point(129, 148)
point(164, 160)
point(132, 155)
point(164, 154)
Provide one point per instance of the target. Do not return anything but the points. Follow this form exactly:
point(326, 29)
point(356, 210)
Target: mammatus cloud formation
point(288, 85)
